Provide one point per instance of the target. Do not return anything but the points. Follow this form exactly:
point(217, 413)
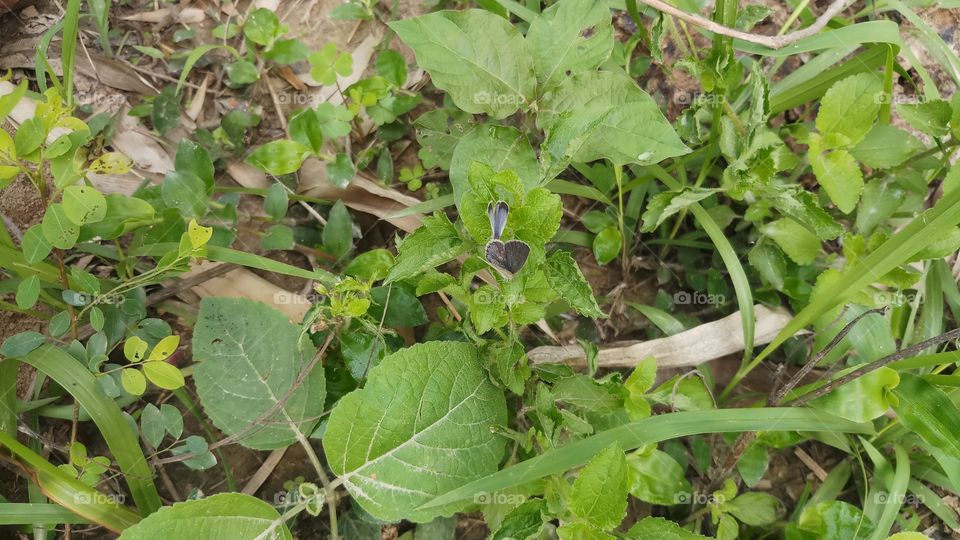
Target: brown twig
point(774, 42)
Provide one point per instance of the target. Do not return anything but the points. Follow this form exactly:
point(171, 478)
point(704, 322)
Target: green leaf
point(500, 148)
point(133, 381)
point(262, 27)
point(287, 51)
point(172, 420)
point(328, 63)
point(436, 242)
point(848, 110)
point(84, 204)
point(124, 214)
point(657, 478)
point(861, 399)
point(276, 201)
point(754, 508)
point(372, 265)
point(886, 146)
point(338, 232)
point(599, 494)
point(166, 109)
point(835, 520)
point(306, 129)
point(27, 292)
point(164, 375)
point(225, 515)
point(839, 174)
point(523, 522)
point(193, 158)
point(341, 171)
point(607, 244)
point(582, 530)
point(30, 135)
point(604, 115)
point(9, 101)
point(930, 117)
point(425, 412)
point(21, 344)
point(801, 245)
point(664, 205)
point(35, 245)
point(249, 359)
point(58, 229)
point(565, 278)
point(656, 528)
point(186, 192)
point(403, 309)
point(478, 58)
point(279, 157)
point(241, 73)
point(151, 425)
point(438, 132)
point(568, 38)
point(930, 413)
point(391, 66)
point(278, 237)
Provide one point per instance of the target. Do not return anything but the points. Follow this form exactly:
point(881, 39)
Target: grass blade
point(30, 513)
point(76, 379)
point(653, 430)
point(250, 260)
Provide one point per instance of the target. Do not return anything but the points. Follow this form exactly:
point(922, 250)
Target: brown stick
point(774, 42)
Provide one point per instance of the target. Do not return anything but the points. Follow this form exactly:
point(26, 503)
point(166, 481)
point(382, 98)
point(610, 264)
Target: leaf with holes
point(249, 360)
point(420, 427)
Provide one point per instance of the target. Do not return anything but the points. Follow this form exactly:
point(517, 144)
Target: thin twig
point(910, 351)
point(774, 42)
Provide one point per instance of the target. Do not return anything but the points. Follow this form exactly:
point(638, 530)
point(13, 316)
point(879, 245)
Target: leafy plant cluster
point(840, 215)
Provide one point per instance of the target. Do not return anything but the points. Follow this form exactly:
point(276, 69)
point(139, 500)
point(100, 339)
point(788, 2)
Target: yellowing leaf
point(164, 375)
point(164, 348)
point(133, 381)
point(111, 163)
point(135, 349)
point(199, 235)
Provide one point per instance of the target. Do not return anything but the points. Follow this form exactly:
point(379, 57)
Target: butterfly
point(507, 257)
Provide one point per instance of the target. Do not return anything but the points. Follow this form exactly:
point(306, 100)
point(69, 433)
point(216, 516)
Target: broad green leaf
point(657, 528)
point(58, 229)
point(754, 508)
point(397, 306)
point(421, 426)
point(657, 478)
point(798, 203)
point(151, 425)
point(186, 192)
point(607, 244)
point(305, 128)
point(523, 522)
point(880, 200)
point(436, 242)
point(372, 265)
point(886, 146)
point(279, 157)
point(162, 374)
point(500, 148)
point(241, 72)
point(599, 494)
point(570, 37)
point(21, 344)
point(839, 174)
point(770, 263)
point(166, 106)
point(753, 464)
point(172, 420)
point(391, 66)
point(225, 515)
point(133, 381)
point(338, 232)
point(597, 115)
point(861, 399)
point(27, 292)
point(794, 239)
point(35, 245)
point(341, 171)
point(327, 64)
point(30, 135)
point(582, 530)
point(193, 158)
point(276, 201)
point(930, 117)
point(848, 110)
point(835, 520)
point(123, 215)
point(278, 237)
point(84, 204)
point(249, 360)
point(262, 27)
point(565, 278)
point(478, 58)
point(438, 132)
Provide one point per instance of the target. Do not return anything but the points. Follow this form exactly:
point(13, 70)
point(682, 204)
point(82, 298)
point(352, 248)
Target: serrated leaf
point(226, 515)
point(801, 245)
point(477, 57)
point(420, 427)
point(565, 278)
point(664, 205)
point(930, 117)
point(570, 37)
point(848, 109)
point(657, 528)
point(498, 147)
point(657, 478)
point(599, 494)
point(436, 242)
point(249, 357)
point(839, 174)
point(886, 146)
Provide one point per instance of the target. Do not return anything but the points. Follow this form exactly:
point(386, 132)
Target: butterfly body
point(507, 257)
